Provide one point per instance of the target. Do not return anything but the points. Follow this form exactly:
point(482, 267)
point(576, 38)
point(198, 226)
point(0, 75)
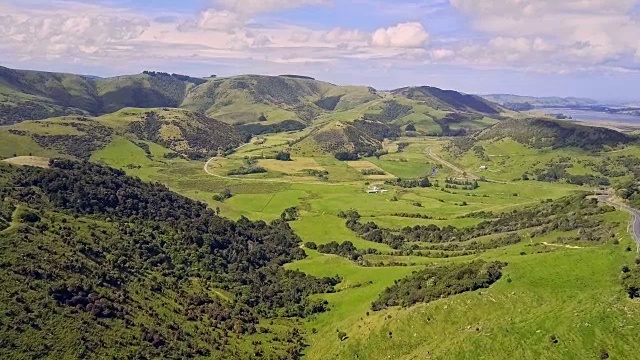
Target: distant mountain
point(260, 101)
point(516, 102)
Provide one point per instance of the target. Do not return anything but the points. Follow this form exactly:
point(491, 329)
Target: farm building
point(376, 190)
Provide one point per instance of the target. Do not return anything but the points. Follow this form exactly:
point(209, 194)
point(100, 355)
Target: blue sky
point(586, 48)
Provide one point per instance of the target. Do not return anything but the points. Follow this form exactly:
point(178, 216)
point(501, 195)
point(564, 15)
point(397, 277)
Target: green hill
point(182, 131)
point(96, 264)
point(244, 99)
point(265, 103)
point(34, 95)
point(148, 90)
point(448, 100)
point(545, 133)
point(346, 140)
point(38, 95)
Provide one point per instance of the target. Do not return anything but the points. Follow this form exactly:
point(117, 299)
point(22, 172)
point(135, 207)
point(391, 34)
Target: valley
point(354, 215)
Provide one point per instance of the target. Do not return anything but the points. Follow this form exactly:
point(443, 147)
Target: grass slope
point(81, 280)
point(181, 131)
point(572, 294)
point(449, 100)
point(542, 133)
point(246, 99)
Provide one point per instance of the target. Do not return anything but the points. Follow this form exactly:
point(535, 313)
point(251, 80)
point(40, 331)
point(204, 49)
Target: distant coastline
point(623, 122)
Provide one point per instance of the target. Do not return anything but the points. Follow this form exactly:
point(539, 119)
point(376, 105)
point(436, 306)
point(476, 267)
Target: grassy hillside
point(245, 99)
point(550, 290)
point(265, 103)
point(142, 91)
point(347, 138)
point(448, 100)
point(181, 131)
point(543, 133)
point(34, 95)
point(38, 95)
point(95, 264)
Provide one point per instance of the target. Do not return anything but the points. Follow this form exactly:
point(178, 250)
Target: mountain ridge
point(242, 99)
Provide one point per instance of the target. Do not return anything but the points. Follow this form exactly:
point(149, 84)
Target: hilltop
point(545, 133)
point(449, 100)
point(553, 140)
point(34, 95)
point(263, 102)
point(347, 141)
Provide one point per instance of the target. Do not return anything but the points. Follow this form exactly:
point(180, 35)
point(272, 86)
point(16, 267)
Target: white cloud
point(569, 33)
point(261, 6)
point(405, 35)
point(93, 35)
point(68, 33)
point(521, 44)
point(220, 20)
point(442, 54)
point(340, 35)
point(300, 36)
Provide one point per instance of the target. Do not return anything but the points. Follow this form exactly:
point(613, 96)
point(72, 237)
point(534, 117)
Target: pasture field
point(29, 161)
point(12, 145)
point(554, 301)
point(507, 160)
point(290, 167)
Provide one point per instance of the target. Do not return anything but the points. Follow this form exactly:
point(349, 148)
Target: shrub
point(342, 336)
point(29, 217)
point(367, 172)
point(439, 281)
point(283, 156)
point(224, 195)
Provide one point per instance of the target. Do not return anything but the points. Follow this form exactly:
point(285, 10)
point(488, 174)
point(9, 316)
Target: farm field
point(548, 290)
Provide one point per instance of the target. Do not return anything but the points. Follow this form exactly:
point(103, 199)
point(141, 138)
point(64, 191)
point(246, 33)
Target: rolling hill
point(238, 100)
point(545, 133)
point(96, 264)
point(244, 99)
point(35, 95)
point(346, 140)
point(449, 100)
point(181, 131)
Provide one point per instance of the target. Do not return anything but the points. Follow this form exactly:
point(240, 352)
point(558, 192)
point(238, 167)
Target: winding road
point(634, 226)
point(458, 170)
point(444, 162)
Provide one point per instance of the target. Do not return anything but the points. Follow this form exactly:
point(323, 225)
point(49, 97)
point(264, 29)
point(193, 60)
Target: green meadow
point(548, 290)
